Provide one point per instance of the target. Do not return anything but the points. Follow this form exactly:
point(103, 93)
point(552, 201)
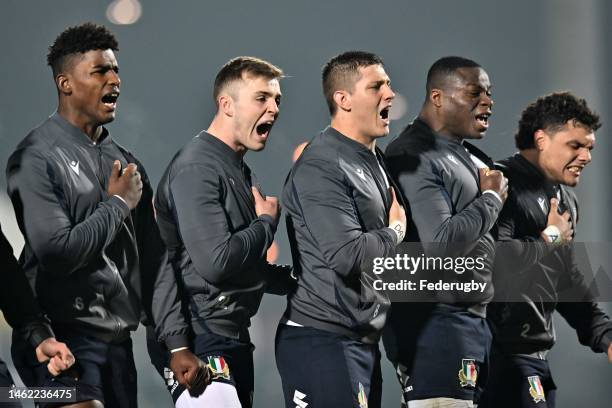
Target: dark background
point(168, 60)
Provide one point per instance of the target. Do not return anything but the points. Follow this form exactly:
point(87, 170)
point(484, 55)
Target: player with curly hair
point(555, 137)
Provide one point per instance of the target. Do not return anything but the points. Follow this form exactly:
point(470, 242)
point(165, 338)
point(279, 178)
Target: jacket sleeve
point(433, 213)
point(161, 298)
point(326, 206)
point(39, 198)
point(217, 253)
point(279, 279)
point(17, 300)
point(591, 323)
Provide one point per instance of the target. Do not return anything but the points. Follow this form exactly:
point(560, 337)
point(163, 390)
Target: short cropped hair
point(551, 113)
point(79, 40)
point(445, 67)
point(342, 71)
point(235, 68)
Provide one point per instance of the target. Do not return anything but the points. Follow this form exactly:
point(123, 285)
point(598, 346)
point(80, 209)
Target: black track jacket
point(535, 272)
point(448, 213)
point(216, 242)
point(337, 207)
point(91, 262)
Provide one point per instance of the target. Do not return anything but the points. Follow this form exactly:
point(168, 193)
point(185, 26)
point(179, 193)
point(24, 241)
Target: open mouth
point(575, 170)
point(384, 114)
point(264, 128)
point(483, 119)
point(110, 99)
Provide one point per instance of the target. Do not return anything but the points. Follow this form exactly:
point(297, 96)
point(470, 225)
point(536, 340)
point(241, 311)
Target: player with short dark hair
point(342, 212)
point(440, 348)
point(555, 137)
point(342, 71)
point(93, 253)
point(218, 225)
point(234, 70)
point(444, 68)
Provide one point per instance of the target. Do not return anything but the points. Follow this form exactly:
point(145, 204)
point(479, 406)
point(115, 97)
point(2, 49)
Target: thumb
point(52, 367)
point(66, 356)
point(58, 363)
point(256, 194)
point(181, 378)
point(116, 169)
point(393, 196)
point(130, 169)
point(554, 204)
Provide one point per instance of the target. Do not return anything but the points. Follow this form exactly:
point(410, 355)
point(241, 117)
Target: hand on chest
point(84, 173)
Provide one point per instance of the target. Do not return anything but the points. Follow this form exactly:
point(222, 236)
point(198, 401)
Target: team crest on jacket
point(218, 367)
point(468, 373)
point(535, 389)
point(361, 397)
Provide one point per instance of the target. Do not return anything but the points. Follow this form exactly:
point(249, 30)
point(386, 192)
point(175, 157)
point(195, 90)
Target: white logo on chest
point(74, 165)
point(360, 173)
point(542, 202)
point(452, 158)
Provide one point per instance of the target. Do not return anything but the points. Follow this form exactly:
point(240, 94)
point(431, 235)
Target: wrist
point(552, 234)
point(399, 228)
point(494, 194)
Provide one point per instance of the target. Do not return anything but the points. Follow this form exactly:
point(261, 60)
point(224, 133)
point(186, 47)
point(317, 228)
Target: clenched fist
point(126, 185)
point(268, 205)
point(494, 180)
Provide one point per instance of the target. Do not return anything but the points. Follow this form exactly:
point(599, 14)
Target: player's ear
point(226, 104)
point(343, 100)
point(435, 97)
point(539, 139)
point(62, 81)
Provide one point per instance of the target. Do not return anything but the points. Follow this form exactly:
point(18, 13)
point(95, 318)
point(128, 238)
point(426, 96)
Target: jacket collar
point(346, 141)
point(419, 123)
point(76, 134)
point(462, 148)
point(534, 174)
point(221, 148)
point(454, 142)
